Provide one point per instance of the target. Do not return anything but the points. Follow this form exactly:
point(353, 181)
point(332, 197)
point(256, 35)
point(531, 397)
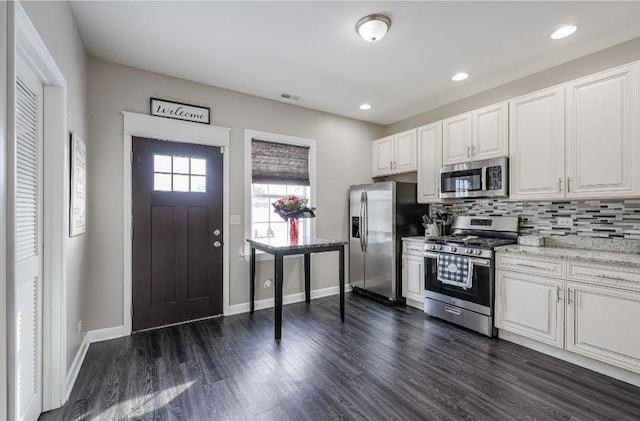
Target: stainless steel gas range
point(460, 270)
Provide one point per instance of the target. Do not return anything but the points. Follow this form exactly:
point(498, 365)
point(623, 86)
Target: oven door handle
point(477, 262)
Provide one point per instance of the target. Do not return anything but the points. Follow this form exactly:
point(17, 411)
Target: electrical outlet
point(234, 219)
point(565, 221)
point(79, 327)
point(267, 283)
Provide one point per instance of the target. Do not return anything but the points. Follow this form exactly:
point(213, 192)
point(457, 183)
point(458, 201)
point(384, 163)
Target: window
point(276, 166)
point(179, 174)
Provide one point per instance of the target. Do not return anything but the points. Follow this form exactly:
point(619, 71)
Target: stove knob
point(478, 252)
point(439, 247)
point(432, 247)
point(453, 249)
point(468, 251)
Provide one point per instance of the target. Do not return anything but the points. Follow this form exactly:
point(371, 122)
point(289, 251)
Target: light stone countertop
point(587, 255)
point(414, 239)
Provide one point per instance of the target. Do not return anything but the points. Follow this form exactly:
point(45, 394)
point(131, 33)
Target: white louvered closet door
point(28, 244)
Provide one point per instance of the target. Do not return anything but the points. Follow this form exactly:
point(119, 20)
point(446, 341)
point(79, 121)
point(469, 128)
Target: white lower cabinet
point(413, 278)
point(531, 306)
point(591, 318)
point(602, 324)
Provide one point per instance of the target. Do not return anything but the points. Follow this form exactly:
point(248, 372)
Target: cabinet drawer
point(412, 247)
point(546, 267)
point(605, 275)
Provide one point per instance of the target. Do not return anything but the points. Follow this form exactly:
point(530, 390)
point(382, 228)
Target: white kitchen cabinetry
point(480, 134)
point(394, 154)
point(603, 143)
point(429, 162)
point(456, 139)
point(490, 132)
point(531, 306)
point(588, 308)
point(601, 324)
point(413, 273)
point(536, 144)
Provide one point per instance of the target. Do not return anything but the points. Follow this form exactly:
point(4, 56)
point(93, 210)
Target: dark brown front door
point(177, 232)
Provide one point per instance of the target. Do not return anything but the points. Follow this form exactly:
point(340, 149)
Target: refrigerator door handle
point(361, 224)
point(366, 222)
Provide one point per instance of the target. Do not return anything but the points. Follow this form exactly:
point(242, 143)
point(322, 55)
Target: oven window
point(481, 291)
point(461, 181)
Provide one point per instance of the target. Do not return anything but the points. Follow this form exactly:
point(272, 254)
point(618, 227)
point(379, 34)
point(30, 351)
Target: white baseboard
point(571, 357)
point(287, 299)
point(92, 336)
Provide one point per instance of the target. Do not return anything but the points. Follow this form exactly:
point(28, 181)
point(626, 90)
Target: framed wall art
point(78, 205)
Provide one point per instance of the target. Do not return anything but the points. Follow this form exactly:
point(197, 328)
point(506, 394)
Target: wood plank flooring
point(381, 364)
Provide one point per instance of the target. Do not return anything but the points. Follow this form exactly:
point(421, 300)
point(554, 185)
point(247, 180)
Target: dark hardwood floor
point(381, 364)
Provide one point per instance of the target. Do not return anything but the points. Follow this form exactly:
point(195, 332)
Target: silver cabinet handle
point(524, 265)
point(468, 151)
point(569, 296)
point(614, 278)
point(560, 184)
point(557, 294)
point(568, 184)
point(217, 244)
point(452, 310)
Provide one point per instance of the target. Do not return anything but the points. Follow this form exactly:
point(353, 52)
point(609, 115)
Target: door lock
point(217, 244)
point(216, 232)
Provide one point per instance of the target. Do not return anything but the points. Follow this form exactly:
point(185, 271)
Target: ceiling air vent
point(289, 96)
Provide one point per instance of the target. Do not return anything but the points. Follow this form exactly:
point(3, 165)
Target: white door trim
point(143, 125)
point(24, 41)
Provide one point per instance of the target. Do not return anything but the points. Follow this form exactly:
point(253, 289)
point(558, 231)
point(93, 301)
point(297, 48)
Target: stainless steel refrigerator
point(380, 215)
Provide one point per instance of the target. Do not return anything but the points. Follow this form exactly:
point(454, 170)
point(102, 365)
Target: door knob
point(216, 232)
point(217, 244)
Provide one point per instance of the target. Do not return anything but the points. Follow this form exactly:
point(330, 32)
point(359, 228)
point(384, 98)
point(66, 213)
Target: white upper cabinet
point(394, 154)
point(603, 143)
point(456, 139)
point(490, 132)
point(382, 156)
point(480, 134)
point(429, 157)
point(536, 142)
point(405, 152)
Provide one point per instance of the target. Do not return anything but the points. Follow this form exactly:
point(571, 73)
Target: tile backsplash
point(591, 218)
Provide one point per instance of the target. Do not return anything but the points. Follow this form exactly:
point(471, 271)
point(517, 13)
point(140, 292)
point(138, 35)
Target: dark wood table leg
point(341, 283)
point(252, 281)
point(307, 277)
point(278, 295)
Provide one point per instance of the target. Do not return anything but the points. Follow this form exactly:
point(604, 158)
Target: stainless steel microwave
point(487, 178)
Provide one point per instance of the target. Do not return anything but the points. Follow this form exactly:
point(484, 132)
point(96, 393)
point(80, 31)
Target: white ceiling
point(311, 49)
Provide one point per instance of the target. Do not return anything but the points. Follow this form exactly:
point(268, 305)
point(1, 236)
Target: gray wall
point(57, 28)
point(343, 158)
point(3, 212)
point(610, 57)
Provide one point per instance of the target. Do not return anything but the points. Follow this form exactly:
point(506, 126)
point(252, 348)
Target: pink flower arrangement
point(293, 207)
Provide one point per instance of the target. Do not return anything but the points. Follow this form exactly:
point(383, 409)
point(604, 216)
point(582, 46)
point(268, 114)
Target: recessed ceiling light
point(459, 76)
point(374, 27)
point(563, 32)
point(365, 106)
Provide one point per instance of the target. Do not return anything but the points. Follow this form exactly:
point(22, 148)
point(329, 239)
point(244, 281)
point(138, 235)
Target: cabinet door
point(429, 147)
point(602, 324)
point(531, 306)
point(536, 144)
point(405, 152)
point(413, 277)
point(382, 156)
point(602, 134)
point(456, 139)
point(490, 132)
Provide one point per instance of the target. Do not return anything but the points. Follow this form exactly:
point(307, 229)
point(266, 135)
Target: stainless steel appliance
point(380, 215)
point(487, 178)
point(472, 244)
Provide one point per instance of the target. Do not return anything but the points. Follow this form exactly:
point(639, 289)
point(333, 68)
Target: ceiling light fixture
point(365, 107)
point(374, 27)
point(563, 32)
point(459, 76)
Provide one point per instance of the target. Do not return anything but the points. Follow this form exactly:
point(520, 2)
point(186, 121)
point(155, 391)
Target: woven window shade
point(279, 163)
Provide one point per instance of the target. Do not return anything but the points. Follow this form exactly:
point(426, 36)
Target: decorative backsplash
point(592, 218)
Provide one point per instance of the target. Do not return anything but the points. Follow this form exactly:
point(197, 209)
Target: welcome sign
point(180, 111)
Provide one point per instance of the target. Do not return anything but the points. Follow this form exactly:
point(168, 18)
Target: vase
point(293, 230)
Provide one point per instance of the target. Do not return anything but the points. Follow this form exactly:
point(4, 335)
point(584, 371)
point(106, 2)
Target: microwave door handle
point(483, 179)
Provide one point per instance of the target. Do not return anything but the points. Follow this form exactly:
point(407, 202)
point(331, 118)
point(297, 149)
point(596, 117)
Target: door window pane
point(162, 163)
point(162, 182)
point(180, 165)
point(198, 183)
point(178, 173)
point(198, 166)
point(180, 182)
